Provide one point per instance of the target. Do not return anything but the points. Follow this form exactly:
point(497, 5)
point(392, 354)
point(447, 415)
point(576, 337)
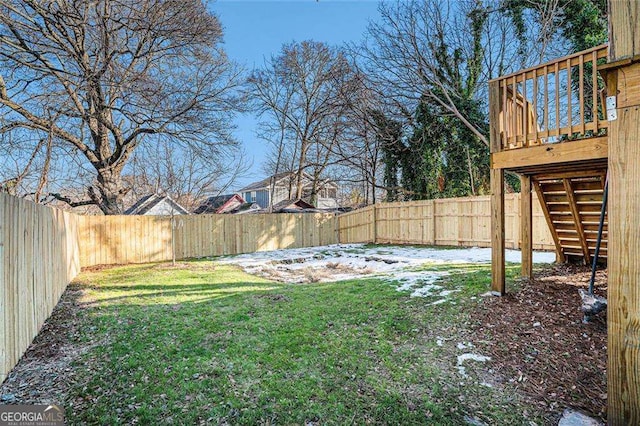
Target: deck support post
point(526, 228)
point(623, 254)
point(497, 231)
point(497, 193)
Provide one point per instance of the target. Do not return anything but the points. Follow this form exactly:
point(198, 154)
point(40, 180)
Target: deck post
point(497, 194)
point(623, 315)
point(526, 229)
point(497, 231)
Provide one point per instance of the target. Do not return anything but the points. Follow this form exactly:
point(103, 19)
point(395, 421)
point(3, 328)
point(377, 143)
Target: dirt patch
point(331, 271)
point(540, 346)
point(99, 268)
point(274, 297)
point(44, 373)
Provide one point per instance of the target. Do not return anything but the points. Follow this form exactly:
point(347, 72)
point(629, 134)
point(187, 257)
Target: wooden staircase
point(571, 204)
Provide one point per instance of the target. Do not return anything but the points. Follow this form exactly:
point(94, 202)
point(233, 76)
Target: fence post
point(173, 239)
point(435, 216)
point(375, 224)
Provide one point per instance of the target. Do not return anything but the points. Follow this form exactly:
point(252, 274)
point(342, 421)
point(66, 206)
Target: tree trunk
point(313, 197)
point(301, 164)
point(111, 191)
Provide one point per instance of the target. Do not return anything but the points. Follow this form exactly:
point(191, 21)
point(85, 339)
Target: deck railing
point(556, 101)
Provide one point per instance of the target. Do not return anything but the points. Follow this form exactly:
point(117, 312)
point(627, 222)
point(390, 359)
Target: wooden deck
point(548, 124)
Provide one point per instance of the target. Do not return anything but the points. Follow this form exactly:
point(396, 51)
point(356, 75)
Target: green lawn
point(198, 344)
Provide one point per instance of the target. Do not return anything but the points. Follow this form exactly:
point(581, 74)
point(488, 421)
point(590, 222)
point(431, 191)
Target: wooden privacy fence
point(109, 240)
point(39, 256)
point(443, 222)
point(215, 235)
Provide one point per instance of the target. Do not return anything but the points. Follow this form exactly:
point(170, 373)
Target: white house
point(285, 189)
point(156, 205)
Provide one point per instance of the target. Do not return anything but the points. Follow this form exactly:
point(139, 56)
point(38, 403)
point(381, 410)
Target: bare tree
point(424, 50)
point(359, 148)
point(300, 95)
point(187, 175)
point(102, 78)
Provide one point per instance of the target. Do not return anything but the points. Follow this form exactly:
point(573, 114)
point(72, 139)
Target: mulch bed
point(540, 346)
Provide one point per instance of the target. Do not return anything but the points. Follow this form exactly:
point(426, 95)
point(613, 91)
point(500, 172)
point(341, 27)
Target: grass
point(194, 344)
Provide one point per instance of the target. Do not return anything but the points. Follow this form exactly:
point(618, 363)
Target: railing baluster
point(546, 99)
point(506, 119)
point(514, 109)
point(581, 94)
point(557, 74)
point(525, 112)
point(569, 111)
point(535, 107)
point(594, 94)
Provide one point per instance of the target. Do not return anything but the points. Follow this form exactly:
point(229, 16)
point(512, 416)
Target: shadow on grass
point(149, 291)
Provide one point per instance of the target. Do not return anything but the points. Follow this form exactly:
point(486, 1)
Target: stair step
point(578, 186)
point(579, 197)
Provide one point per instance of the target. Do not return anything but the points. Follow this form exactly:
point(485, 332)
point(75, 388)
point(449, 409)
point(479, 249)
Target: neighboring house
point(156, 205)
point(219, 204)
point(285, 188)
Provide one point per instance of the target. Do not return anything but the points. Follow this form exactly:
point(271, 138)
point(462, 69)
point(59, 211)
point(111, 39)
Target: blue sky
point(256, 29)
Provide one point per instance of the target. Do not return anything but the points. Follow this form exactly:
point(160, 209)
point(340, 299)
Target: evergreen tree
point(389, 138)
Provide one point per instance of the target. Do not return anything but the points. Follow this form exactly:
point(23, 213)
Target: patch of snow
point(396, 264)
point(472, 357)
point(490, 293)
point(425, 291)
point(411, 279)
point(420, 283)
point(462, 371)
point(472, 421)
point(575, 418)
point(464, 346)
point(469, 357)
point(439, 342)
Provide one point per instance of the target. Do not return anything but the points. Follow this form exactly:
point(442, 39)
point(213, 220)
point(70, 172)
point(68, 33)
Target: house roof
point(146, 203)
point(246, 208)
point(292, 205)
point(216, 204)
point(266, 182)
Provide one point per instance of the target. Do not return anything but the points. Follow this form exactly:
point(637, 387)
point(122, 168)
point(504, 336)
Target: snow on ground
point(469, 357)
point(396, 264)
